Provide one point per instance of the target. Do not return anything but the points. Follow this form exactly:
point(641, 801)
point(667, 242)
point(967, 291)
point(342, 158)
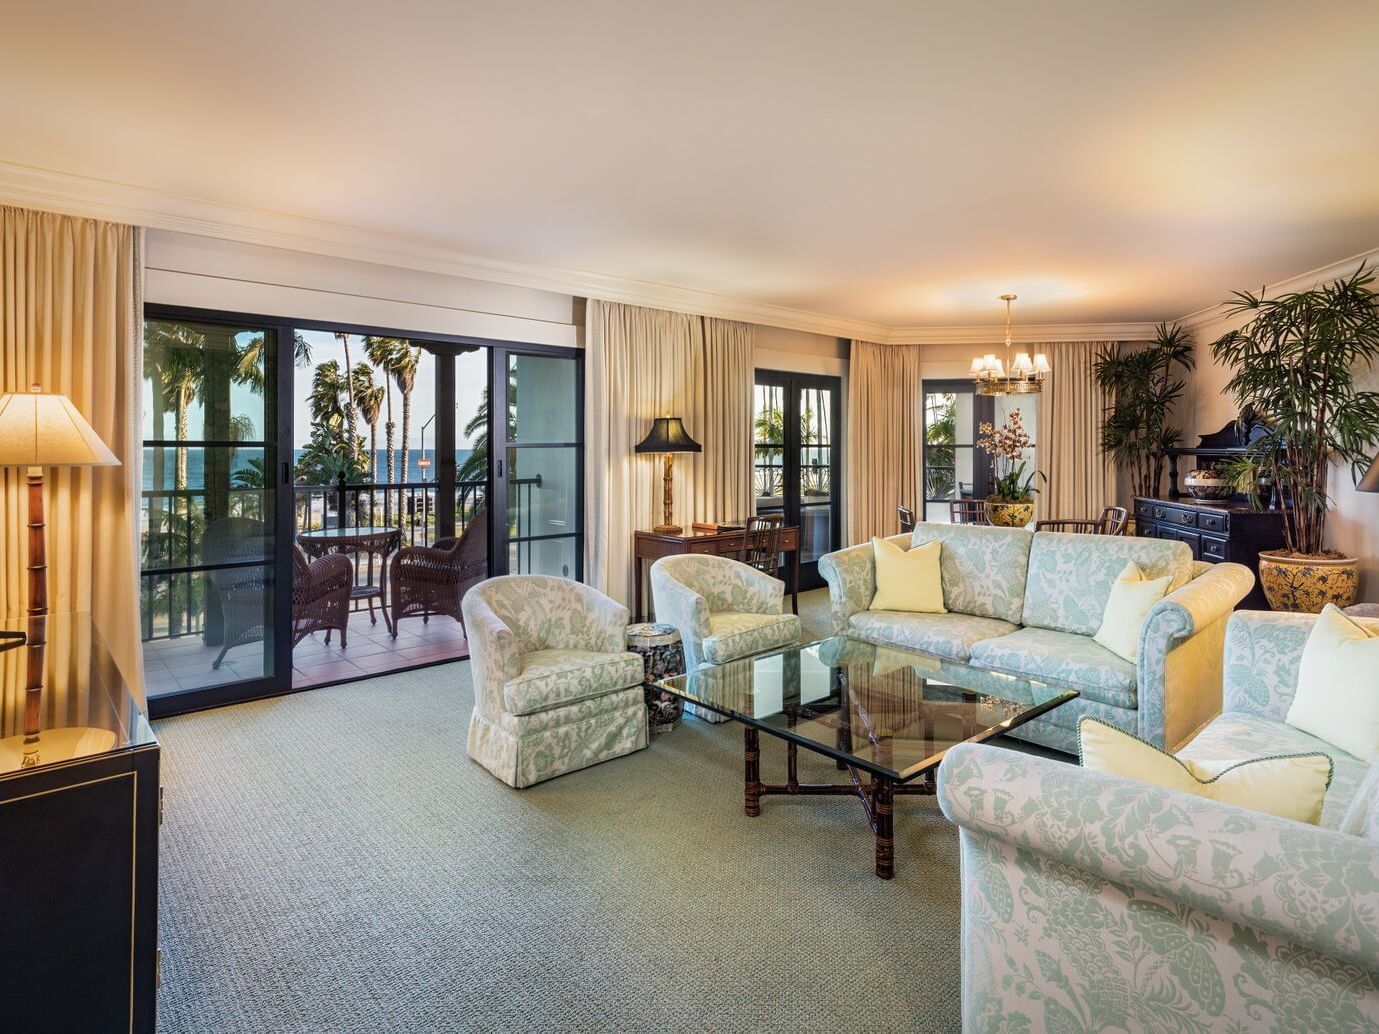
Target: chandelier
point(1018, 376)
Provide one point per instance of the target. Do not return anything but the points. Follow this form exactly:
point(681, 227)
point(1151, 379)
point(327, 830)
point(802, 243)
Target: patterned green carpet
point(332, 861)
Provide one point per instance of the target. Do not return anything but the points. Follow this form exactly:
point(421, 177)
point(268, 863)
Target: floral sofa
point(1030, 602)
point(1094, 902)
point(555, 688)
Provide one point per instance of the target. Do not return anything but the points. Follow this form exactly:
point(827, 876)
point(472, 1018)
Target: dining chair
point(967, 511)
point(907, 519)
point(1112, 521)
point(761, 542)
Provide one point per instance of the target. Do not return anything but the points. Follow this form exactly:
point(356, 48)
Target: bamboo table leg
point(885, 843)
point(751, 754)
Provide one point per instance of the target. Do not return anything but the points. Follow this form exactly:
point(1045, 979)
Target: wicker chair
point(907, 519)
point(1111, 522)
point(967, 511)
point(426, 580)
point(761, 543)
point(320, 588)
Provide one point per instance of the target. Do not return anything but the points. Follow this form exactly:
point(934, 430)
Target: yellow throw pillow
point(1132, 597)
point(1291, 786)
point(1338, 684)
point(908, 579)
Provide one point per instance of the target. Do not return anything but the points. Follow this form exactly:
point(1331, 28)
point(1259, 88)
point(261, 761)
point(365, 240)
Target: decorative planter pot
point(1307, 583)
point(1009, 515)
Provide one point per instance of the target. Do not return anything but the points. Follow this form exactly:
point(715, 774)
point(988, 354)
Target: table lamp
point(40, 430)
point(1370, 482)
point(667, 436)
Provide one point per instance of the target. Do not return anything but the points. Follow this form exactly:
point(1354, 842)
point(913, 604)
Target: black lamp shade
point(1370, 482)
point(668, 434)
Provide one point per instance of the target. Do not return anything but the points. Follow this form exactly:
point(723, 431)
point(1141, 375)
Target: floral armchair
point(1095, 902)
point(723, 609)
point(555, 689)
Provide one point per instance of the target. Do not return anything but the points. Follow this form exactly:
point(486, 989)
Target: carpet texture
point(332, 861)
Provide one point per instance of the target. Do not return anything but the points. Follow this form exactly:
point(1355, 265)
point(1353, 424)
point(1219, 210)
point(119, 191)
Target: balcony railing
point(173, 582)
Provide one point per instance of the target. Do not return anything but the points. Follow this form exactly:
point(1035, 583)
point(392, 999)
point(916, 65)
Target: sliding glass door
point(271, 445)
point(795, 428)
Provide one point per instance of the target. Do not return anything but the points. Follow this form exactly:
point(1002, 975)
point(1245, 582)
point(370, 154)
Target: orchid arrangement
point(1006, 445)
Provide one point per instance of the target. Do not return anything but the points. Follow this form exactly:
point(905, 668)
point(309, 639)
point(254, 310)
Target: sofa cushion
point(984, 569)
point(1061, 657)
point(553, 678)
point(1070, 576)
point(947, 635)
point(1248, 736)
point(733, 634)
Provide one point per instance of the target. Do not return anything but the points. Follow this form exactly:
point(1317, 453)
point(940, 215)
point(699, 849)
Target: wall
point(1353, 525)
point(205, 272)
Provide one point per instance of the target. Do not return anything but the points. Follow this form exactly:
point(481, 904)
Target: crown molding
point(1300, 282)
point(1022, 333)
point(29, 187)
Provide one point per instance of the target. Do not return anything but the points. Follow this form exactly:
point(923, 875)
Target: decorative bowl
point(1208, 484)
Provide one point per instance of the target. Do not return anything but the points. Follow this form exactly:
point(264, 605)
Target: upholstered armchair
point(555, 689)
point(722, 608)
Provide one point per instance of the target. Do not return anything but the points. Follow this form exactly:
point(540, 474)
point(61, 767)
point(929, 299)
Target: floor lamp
point(40, 430)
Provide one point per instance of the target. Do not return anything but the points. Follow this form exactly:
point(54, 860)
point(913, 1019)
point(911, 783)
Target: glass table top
point(887, 711)
point(64, 699)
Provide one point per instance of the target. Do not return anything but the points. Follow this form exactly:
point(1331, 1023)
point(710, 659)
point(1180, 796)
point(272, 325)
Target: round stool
point(662, 656)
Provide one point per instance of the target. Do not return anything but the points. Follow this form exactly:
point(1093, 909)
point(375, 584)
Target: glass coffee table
point(886, 716)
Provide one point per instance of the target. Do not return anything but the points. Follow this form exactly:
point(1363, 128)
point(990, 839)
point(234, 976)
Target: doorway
point(795, 433)
point(270, 444)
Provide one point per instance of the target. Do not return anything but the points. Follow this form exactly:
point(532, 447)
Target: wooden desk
point(649, 546)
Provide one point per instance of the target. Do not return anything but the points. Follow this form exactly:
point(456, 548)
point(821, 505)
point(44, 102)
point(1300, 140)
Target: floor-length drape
point(1081, 478)
point(642, 363)
point(885, 394)
point(70, 311)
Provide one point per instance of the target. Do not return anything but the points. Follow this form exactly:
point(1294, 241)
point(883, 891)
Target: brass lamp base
point(667, 529)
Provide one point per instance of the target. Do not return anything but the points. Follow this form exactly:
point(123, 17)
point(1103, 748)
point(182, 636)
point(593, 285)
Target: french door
point(247, 422)
point(796, 425)
point(955, 466)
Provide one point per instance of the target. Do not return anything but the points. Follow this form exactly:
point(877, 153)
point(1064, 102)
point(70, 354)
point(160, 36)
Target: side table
point(663, 655)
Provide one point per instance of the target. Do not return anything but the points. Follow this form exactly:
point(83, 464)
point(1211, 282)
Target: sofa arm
point(851, 577)
point(1178, 670)
point(495, 652)
point(1310, 886)
point(601, 623)
point(758, 592)
point(679, 605)
point(1263, 650)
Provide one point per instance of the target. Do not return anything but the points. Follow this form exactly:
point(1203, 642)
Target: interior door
point(796, 429)
point(538, 470)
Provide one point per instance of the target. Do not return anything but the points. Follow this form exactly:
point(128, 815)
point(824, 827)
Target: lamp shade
point(1370, 482)
point(668, 434)
point(42, 430)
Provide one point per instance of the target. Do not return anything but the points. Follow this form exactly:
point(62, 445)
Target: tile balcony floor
point(172, 665)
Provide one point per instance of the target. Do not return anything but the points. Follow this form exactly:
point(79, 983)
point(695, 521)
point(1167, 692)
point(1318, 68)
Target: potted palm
point(1294, 362)
point(1011, 502)
point(1143, 385)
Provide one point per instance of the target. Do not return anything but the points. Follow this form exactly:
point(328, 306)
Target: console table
point(79, 811)
point(1216, 531)
point(651, 546)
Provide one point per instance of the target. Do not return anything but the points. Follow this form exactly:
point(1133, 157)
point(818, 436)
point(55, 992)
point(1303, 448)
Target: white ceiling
point(898, 163)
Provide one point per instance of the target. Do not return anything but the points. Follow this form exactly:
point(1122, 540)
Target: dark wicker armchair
point(320, 588)
point(320, 595)
point(426, 580)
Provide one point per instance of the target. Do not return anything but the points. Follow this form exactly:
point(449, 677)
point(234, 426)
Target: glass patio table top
point(891, 712)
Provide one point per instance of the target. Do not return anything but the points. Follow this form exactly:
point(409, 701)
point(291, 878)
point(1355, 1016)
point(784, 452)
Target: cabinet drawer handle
point(1160, 512)
point(1185, 518)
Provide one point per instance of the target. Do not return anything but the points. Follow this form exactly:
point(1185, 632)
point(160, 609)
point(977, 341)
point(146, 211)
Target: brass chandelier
point(1017, 376)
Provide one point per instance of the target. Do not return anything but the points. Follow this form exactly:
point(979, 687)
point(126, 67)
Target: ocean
point(240, 459)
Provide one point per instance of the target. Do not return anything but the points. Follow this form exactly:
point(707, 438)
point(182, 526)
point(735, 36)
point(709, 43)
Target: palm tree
point(369, 397)
point(383, 352)
point(350, 410)
point(176, 356)
point(404, 372)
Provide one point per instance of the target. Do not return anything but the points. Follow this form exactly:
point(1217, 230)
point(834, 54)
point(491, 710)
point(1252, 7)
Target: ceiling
point(896, 163)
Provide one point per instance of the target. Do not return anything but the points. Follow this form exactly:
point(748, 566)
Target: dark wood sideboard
point(1216, 531)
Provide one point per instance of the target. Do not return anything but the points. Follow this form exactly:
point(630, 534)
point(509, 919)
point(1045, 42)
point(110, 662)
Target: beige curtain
point(1081, 478)
point(643, 363)
point(883, 447)
point(70, 309)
